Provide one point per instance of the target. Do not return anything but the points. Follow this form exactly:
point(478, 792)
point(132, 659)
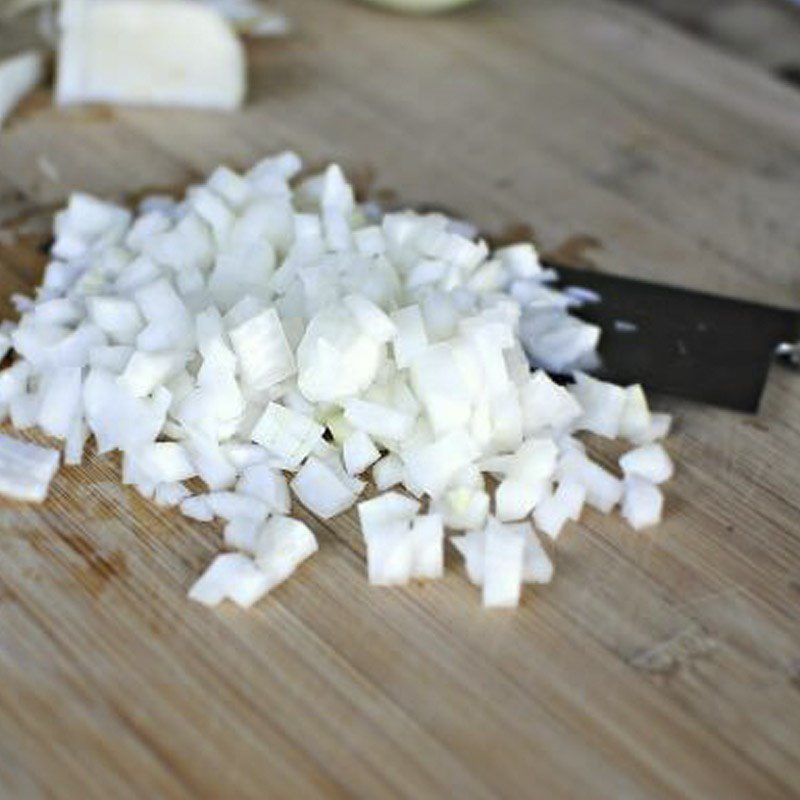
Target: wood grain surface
point(657, 665)
point(765, 32)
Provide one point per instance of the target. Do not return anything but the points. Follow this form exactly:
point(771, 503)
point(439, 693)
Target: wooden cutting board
point(663, 664)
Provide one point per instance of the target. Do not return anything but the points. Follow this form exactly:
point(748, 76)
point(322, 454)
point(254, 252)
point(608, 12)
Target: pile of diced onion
point(267, 338)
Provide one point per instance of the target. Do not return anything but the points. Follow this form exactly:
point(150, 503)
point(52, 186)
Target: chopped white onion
point(502, 572)
point(642, 503)
point(197, 507)
point(26, 469)
point(233, 505)
point(400, 544)
point(267, 484)
point(241, 533)
point(427, 545)
point(170, 494)
point(515, 499)
point(603, 405)
point(287, 434)
point(359, 453)
point(281, 546)
point(500, 558)
point(320, 489)
point(552, 513)
point(265, 357)
point(380, 421)
point(603, 490)
point(649, 461)
point(388, 472)
point(231, 576)
point(264, 326)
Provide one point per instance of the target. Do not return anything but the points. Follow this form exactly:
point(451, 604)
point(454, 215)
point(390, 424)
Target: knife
point(690, 344)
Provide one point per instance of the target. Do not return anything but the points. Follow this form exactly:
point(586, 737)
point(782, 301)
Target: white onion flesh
point(642, 503)
point(142, 53)
point(649, 461)
point(26, 469)
point(267, 337)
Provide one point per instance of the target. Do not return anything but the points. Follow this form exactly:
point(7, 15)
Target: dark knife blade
point(680, 342)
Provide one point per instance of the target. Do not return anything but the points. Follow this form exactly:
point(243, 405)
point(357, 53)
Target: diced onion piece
point(552, 513)
point(378, 420)
point(659, 428)
point(534, 462)
point(515, 499)
point(370, 242)
point(169, 322)
point(603, 405)
point(504, 551)
point(112, 358)
point(14, 381)
point(116, 417)
point(463, 508)
point(536, 566)
point(60, 407)
point(441, 387)
point(431, 467)
point(241, 533)
point(118, 317)
point(390, 554)
point(373, 321)
point(410, 337)
point(427, 544)
point(603, 490)
point(232, 505)
point(505, 419)
point(335, 358)
point(286, 433)
point(649, 461)
point(520, 260)
point(556, 341)
point(282, 545)
point(643, 503)
point(170, 494)
point(197, 507)
point(24, 410)
point(260, 344)
point(359, 453)
point(75, 442)
point(87, 224)
point(636, 418)
point(245, 454)
point(546, 405)
point(339, 428)
point(386, 526)
point(472, 548)
point(321, 490)
point(388, 472)
point(163, 462)
point(267, 484)
point(384, 509)
point(500, 558)
point(26, 469)
point(145, 371)
point(212, 465)
point(231, 187)
point(231, 576)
